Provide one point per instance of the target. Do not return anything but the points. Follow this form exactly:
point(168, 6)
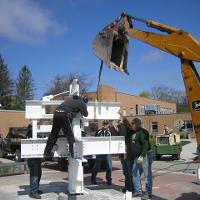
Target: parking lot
point(173, 180)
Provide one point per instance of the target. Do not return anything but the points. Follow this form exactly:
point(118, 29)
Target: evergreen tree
point(6, 86)
point(24, 87)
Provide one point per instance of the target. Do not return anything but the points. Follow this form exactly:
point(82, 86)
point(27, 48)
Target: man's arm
point(125, 121)
point(145, 143)
point(122, 130)
point(83, 109)
point(147, 137)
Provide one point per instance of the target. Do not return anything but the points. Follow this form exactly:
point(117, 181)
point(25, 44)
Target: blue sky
point(54, 37)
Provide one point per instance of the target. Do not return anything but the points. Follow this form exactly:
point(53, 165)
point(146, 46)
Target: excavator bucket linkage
point(111, 47)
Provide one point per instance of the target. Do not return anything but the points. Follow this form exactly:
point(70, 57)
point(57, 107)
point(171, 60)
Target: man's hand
point(140, 160)
point(120, 112)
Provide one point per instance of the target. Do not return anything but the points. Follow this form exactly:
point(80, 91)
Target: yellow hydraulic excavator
point(111, 46)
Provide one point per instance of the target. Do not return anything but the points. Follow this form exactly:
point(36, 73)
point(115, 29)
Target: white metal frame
point(34, 147)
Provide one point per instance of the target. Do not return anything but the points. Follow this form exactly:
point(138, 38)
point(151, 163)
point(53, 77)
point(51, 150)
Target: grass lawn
point(184, 142)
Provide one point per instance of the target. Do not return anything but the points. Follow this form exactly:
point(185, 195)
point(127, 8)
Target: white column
point(198, 175)
point(76, 127)
point(34, 128)
point(75, 179)
point(75, 168)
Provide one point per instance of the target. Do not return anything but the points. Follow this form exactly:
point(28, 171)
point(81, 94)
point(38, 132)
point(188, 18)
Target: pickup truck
point(11, 144)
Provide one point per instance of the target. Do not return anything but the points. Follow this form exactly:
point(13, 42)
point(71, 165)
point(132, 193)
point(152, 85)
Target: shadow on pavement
point(55, 187)
point(165, 158)
point(157, 198)
point(103, 186)
point(187, 196)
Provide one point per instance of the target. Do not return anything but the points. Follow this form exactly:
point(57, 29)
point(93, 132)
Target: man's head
point(136, 123)
point(105, 123)
point(85, 99)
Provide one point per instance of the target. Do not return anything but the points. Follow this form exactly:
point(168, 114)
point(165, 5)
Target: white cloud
point(152, 56)
point(26, 21)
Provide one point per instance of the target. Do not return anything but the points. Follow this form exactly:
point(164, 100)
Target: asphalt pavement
point(173, 180)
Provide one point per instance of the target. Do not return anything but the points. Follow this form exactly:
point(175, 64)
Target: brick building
point(11, 118)
point(153, 113)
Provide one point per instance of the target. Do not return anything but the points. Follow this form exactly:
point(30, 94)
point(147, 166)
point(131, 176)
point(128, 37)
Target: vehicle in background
point(11, 144)
point(2, 145)
point(166, 145)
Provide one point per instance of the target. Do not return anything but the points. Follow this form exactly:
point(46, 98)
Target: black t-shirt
point(74, 105)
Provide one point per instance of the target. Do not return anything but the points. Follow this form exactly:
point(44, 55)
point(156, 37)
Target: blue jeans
point(146, 168)
point(127, 165)
point(34, 165)
point(149, 183)
point(97, 165)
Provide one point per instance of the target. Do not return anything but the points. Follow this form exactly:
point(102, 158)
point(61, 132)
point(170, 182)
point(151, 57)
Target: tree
point(24, 87)
point(61, 83)
point(168, 94)
point(145, 94)
point(6, 85)
point(161, 92)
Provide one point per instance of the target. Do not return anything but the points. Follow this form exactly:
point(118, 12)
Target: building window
point(187, 126)
point(166, 111)
point(154, 127)
point(142, 111)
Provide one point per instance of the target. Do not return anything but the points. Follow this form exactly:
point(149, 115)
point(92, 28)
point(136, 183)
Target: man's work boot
point(137, 194)
point(146, 196)
point(123, 190)
point(109, 182)
point(93, 181)
point(35, 196)
point(93, 178)
point(40, 192)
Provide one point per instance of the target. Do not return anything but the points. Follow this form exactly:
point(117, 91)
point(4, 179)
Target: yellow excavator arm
point(111, 46)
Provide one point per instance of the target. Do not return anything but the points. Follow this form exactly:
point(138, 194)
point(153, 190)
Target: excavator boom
point(111, 46)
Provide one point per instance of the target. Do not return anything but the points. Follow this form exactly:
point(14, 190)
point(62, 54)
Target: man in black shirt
point(103, 132)
point(35, 167)
point(62, 119)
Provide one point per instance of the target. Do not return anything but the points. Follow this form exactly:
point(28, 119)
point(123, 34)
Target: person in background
point(11, 133)
point(62, 119)
point(103, 132)
point(167, 130)
point(126, 159)
point(35, 167)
